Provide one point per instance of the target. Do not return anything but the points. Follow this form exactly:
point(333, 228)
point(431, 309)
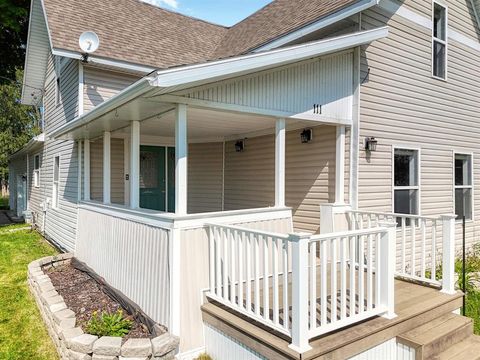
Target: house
point(239, 184)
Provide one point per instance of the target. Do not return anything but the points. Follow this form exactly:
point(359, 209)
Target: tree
point(18, 123)
point(13, 36)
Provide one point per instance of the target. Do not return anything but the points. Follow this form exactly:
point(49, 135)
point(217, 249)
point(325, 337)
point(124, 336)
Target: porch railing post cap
point(448, 216)
point(299, 236)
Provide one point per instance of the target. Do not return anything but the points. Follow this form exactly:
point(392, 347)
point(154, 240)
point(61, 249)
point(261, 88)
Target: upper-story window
point(58, 80)
point(406, 181)
point(439, 41)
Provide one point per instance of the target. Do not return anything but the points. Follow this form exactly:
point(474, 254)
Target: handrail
point(349, 233)
point(410, 216)
point(252, 231)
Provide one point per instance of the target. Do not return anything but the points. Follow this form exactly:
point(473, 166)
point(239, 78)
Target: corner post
point(134, 179)
point(107, 175)
point(340, 166)
point(448, 256)
point(280, 163)
point(386, 268)
point(79, 180)
point(86, 170)
point(300, 292)
point(181, 159)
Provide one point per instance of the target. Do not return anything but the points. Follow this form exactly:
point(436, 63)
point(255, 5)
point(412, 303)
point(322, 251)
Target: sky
point(223, 12)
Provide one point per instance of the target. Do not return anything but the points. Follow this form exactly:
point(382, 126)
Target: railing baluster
point(241, 240)
point(323, 283)
point(377, 268)
point(414, 235)
point(218, 265)
point(266, 288)
point(225, 264)
point(404, 246)
point(286, 311)
point(343, 278)
point(275, 280)
point(433, 275)
point(211, 263)
point(353, 270)
point(333, 275)
point(256, 254)
point(361, 269)
point(233, 239)
point(369, 273)
point(424, 239)
point(313, 285)
point(248, 253)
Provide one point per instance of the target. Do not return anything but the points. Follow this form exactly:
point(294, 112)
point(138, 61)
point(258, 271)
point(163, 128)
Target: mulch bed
point(84, 296)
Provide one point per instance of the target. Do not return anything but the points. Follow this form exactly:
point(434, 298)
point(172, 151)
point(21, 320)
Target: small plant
point(204, 356)
point(106, 324)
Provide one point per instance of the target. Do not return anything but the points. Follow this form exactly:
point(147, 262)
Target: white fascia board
point(318, 25)
point(476, 10)
point(133, 91)
point(123, 65)
point(32, 144)
point(194, 75)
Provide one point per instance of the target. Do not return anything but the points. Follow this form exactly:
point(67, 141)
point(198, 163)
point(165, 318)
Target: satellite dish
point(88, 42)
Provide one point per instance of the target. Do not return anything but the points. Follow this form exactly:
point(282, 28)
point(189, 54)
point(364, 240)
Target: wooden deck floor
point(414, 305)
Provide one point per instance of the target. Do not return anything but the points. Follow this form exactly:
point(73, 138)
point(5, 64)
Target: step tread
point(436, 329)
point(468, 349)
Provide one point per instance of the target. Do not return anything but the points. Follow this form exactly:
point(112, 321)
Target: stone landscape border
point(71, 342)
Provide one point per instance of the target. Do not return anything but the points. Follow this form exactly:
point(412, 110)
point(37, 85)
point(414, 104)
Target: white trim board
point(410, 15)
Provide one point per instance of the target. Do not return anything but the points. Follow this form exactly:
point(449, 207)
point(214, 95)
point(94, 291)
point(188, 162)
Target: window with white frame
point(58, 80)
point(439, 41)
point(36, 171)
point(406, 181)
point(56, 178)
point(463, 186)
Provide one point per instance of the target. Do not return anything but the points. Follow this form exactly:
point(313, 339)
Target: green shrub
point(107, 324)
point(204, 357)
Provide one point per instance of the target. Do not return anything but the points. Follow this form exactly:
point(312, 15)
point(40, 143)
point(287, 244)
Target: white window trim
point(36, 172)
point(418, 187)
point(56, 194)
point(57, 71)
point(468, 153)
point(444, 42)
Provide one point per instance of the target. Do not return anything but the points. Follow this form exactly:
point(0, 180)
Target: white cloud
point(170, 3)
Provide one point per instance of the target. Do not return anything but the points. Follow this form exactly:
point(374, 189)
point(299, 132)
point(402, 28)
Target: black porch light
point(371, 144)
point(306, 135)
point(240, 145)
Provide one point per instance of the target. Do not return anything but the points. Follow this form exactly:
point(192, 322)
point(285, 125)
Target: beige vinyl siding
point(117, 183)
point(101, 85)
point(61, 222)
point(401, 105)
point(205, 167)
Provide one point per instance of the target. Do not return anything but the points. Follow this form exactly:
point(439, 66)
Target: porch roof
point(143, 100)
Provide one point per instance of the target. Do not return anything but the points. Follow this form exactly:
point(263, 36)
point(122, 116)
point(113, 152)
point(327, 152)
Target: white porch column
point(280, 163)
point(448, 256)
point(106, 167)
point(79, 180)
point(340, 166)
point(181, 158)
point(86, 170)
point(135, 165)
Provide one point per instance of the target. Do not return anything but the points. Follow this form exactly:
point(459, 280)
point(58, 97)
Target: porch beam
point(107, 136)
point(280, 163)
point(181, 159)
point(135, 165)
point(340, 166)
point(207, 104)
point(86, 170)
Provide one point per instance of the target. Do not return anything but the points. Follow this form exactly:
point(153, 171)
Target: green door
point(152, 177)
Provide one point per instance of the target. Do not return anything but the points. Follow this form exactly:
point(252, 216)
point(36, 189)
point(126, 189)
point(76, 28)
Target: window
point(56, 176)
point(58, 80)
point(439, 41)
point(463, 186)
point(36, 171)
point(405, 181)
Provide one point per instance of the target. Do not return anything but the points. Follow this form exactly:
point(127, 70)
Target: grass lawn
point(22, 333)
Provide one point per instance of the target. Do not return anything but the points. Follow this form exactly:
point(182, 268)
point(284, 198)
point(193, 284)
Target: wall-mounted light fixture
point(371, 144)
point(240, 145)
point(306, 136)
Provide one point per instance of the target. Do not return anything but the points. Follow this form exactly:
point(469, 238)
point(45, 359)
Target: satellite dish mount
point(89, 43)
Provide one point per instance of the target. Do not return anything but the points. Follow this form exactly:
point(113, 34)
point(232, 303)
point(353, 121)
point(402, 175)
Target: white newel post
point(181, 158)
point(340, 166)
point(134, 176)
point(106, 167)
point(300, 292)
point(386, 268)
point(86, 170)
point(448, 256)
point(280, 163)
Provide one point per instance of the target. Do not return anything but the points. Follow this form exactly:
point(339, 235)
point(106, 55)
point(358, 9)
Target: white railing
point(303, 285)
point(351, 277)
point(424, 243)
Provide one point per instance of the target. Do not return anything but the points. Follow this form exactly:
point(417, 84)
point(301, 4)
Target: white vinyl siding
point(463, 183)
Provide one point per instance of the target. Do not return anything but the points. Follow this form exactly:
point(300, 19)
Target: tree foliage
point(13, 36)
point(18, 123)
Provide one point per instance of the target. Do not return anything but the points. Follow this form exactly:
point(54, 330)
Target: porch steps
point(468, 349)
point(438, 337)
